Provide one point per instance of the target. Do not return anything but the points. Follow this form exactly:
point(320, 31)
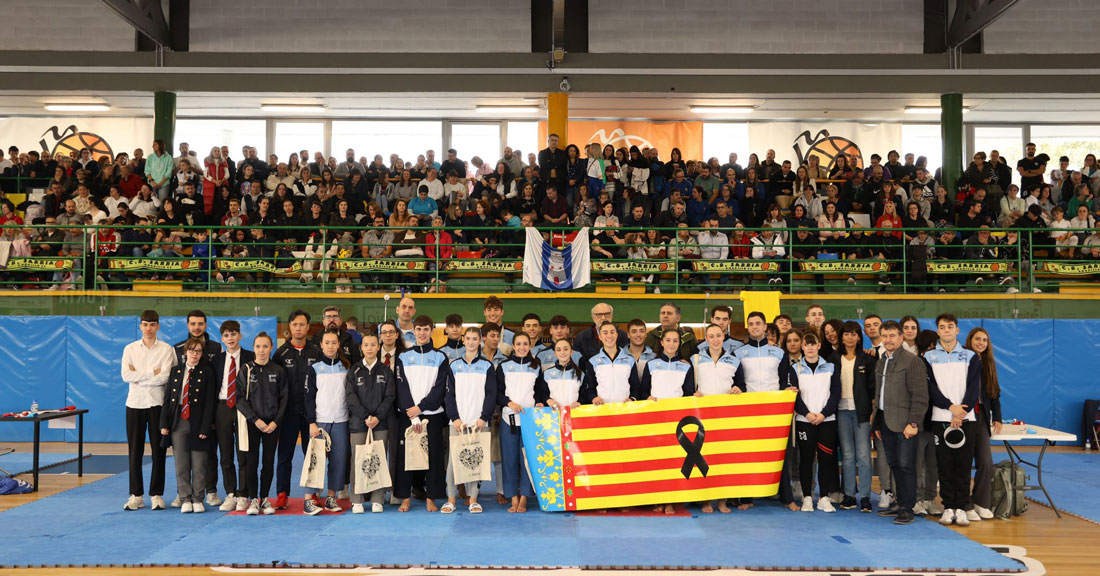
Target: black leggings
point(817, 440)
point(251, 459)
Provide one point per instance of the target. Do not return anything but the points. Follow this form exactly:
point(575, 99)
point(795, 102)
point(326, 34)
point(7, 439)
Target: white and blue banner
point(553, 268)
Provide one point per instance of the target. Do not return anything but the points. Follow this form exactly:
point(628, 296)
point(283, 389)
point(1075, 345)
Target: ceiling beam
point(145, 16)
point(973, 16)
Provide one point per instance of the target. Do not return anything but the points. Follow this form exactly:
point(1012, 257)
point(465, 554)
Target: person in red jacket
point(438, 248)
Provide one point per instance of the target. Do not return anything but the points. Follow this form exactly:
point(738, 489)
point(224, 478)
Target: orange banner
point(687, 136)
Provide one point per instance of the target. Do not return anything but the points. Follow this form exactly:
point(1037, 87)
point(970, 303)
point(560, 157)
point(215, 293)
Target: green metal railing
point(296, 259)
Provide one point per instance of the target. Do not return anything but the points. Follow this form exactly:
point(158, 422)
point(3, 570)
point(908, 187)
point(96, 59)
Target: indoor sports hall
point(564, 286)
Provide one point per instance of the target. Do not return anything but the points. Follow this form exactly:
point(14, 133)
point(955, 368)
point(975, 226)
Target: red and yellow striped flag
point(640, 453)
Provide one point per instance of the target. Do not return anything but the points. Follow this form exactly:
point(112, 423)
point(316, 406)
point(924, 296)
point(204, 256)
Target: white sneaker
point(253, 507)
point(242, 504)
point(933, 508)
point(158, 503)
point(213, 500)
point(825, 504)
point(983, 513)
point(807, 504)
point(948, 517)
point(134, 503)
point(376, 508)
point(919, 509)
point(176, 502)
point(197, 508)
point(186, 508)
point(961, 519)
point(972, 515)
point(267, 507)
point(357, 509)
point(230, 503)
point(885, 500)
point(342, 495)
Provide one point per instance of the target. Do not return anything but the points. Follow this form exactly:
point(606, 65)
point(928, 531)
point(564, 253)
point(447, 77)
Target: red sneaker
point(280, 502)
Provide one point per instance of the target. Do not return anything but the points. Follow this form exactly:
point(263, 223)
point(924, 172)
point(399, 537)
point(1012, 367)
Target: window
point(721, 138)
point(202, 135)
point(482, 140)
point(407, 139)
point(923, 140)
point(523, 136)
point(1073, 141)
point(290, 137)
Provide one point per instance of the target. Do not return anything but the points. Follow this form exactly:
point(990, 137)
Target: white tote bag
point(416, 449)
point(470, 460)
point(313, 469)
point(372, 472)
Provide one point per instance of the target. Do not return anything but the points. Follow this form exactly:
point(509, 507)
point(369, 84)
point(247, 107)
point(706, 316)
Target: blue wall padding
point(1074, 367)
point(33, 356)
point(1024, 349)
point(78, 361)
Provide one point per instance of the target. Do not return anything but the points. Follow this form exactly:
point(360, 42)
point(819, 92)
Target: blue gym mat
point(1073, 481)
point(23, 462)
point(87, 525)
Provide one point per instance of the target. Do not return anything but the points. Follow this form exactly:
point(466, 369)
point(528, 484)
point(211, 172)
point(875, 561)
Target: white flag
point(556, 268)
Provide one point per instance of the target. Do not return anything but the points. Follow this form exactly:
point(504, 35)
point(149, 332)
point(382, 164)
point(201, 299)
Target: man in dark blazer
point(901, 398)
point(227, 365)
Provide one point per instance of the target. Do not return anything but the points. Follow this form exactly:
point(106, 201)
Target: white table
point(1012, 433)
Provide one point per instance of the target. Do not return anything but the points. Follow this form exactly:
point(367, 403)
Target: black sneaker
point(903, 517)
point(310, 508)
point(848, 503)
point(331, 505)
point(865, 505)
point(891, 511)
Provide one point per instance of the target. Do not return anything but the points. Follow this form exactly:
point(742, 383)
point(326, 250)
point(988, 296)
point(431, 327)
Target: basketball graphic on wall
point(827, 148)
point(73, 140)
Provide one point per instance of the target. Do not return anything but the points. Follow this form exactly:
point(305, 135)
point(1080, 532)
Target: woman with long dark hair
point(989, 416)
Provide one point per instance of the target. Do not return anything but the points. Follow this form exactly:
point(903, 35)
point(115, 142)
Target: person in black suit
point(226, 366)
point(187, 424)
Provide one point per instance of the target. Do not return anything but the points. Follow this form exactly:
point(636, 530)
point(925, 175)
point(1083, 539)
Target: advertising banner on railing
point(377, 265)
point(978, 267)
point(664, 136)
point(39, 264)
point(257, 265)
point(845, 266)
point(155, 264)
point(103, 136)
point(634, 266)
point(1072, 268)
point(734, 266)
point(797, 141)
point(483, 265)
point(658, 452)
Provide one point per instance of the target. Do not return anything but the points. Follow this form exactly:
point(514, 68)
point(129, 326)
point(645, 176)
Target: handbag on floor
point(372, 472)
point(313, 468)
point(416, 449)
point(470, 457)
point(1009, 480)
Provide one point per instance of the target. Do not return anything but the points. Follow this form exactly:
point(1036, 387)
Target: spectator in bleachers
point(1082, 221)
point(855, 194)
point(683, 248)
point(774, 219)
point(1082, 196)
point(698, 209)
point(555, 208)
point(474, 230)
point(186, 174)
point(129, 183)
point(913, 219)
point(973, 217)
point(768, 246)
point(453, 164)
point(1064, 241)
point(1090, 249)
point(841, 169)
point(675, 216)
point(1090, 172)
point(783, 181)
point(799, 217)
point(1069, 186)
point(1012, 206)
point(831, 218)
point(876, 162)
point(1060, 175)
point(304, 186)
point(423, 207)
point(809, 200)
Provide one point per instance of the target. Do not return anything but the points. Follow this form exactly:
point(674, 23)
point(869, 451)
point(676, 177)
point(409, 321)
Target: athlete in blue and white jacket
point(609, 376)
point(421, 372)
point(815, 423)
point(470, 401)
point(562, 377)
point(520, 382)
point(717, 370)
point(667, 375)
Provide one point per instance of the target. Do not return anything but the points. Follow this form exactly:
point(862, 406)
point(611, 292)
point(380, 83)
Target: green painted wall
point(373, 308)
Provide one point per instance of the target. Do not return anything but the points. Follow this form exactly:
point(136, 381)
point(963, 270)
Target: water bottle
point(34, 407)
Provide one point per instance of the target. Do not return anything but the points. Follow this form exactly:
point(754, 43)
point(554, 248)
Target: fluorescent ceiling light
point(508, 109)
point(77, 107)
point(928, 109)
point(301, 108)
point(722, 109)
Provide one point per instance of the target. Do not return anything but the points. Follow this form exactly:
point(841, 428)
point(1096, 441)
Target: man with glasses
point(588, 341)
point(330, 319)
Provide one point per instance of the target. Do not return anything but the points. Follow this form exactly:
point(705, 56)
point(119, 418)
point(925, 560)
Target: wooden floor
point(1066, 546)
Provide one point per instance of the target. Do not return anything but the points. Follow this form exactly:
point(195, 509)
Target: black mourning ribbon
point(693, 448)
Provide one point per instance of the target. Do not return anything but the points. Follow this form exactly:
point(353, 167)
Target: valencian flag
point(658, 452)
point(553, 268)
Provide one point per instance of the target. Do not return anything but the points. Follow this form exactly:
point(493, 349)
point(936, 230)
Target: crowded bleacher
point(203, 219)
